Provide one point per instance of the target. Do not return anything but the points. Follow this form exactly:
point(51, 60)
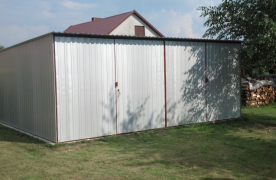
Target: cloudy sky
point(21, 20)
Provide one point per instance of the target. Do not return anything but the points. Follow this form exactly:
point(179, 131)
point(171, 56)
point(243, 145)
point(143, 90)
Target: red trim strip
point(165, 84)
point(55, 72)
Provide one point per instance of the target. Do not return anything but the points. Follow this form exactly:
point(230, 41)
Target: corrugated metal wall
point(88, 102)
point(140, 76)
point(223, 72)
point(86, 87)
point(27, 96)
point(185, 79)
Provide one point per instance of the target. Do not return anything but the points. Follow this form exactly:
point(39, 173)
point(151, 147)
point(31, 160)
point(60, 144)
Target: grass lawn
point(238, 149)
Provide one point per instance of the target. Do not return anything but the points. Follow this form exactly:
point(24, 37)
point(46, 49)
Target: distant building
point(129, 23)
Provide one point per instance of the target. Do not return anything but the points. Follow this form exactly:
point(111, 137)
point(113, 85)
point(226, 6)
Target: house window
point(139, 31)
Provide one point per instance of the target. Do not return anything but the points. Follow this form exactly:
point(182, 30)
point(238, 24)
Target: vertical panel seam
point(165, 85)
point(115, 66)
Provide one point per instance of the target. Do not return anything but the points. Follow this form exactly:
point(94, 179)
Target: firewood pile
point(253, 93)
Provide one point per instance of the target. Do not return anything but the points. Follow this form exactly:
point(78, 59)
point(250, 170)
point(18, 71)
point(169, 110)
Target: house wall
point(127, 27)
point(27, 92)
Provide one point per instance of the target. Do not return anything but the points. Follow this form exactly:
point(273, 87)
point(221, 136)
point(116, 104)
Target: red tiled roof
point(106, 25)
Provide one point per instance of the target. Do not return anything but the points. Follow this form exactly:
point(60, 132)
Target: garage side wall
point(85, 76)
point(27, 96)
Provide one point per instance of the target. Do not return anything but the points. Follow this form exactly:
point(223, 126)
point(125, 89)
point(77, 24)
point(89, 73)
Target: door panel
point(223, 72)
point(140, 77)
point(85, 87)
point(185, 79)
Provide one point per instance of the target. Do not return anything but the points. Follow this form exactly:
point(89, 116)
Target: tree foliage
point(253, 22)
point(1, 47)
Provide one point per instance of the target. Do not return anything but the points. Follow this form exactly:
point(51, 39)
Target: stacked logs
point(261, 96)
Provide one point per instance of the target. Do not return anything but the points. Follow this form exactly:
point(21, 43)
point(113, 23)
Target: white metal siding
point(140, 74)
point(223, 72)
point(27, 96)
point(85, 87)
point(185, 68)
point(87, 100)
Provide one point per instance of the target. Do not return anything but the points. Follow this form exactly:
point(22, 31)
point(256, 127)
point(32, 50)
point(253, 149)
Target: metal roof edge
point(121, 37)
point(24, 42)
point(141, 37)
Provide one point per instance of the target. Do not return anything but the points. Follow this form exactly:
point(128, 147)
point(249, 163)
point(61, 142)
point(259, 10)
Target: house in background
point(129, 23)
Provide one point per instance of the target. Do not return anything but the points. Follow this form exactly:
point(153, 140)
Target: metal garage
point(64, 87)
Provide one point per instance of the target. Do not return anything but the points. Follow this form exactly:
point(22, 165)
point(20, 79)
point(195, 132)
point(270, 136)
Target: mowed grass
point(243, 148)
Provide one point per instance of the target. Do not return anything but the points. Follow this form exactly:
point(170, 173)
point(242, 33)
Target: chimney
point(95, 18)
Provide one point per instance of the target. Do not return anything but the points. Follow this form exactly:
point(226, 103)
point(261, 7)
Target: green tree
point(253, 22)
point(1, 47)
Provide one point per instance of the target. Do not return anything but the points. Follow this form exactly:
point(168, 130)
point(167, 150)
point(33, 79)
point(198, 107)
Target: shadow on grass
point(232, 147)
point(11, 135)
point(218, 147)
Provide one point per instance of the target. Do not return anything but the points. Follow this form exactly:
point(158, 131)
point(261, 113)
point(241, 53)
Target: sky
point(21, 20)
